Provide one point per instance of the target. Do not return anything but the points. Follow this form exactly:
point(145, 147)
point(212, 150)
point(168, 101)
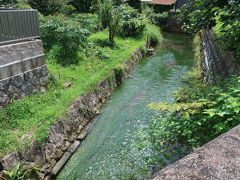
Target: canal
point(109, 151)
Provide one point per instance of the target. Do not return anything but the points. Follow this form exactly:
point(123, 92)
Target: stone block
point(14, 91)
point(17, 80)
point(28, 76)
point(10, 161)
point(56, 169)
point(4, 84)
point(3, 98)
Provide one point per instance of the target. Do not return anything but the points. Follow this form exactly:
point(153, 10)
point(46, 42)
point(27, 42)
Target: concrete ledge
point(22, 66)
point(20, 51)
point(218, 159)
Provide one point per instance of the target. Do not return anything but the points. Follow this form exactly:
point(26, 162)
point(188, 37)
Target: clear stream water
point(108, 152)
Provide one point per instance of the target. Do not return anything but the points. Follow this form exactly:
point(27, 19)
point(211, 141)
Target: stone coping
point(219, 159)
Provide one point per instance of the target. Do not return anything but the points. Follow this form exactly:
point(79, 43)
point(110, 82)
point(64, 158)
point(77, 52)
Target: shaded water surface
point(108, 151)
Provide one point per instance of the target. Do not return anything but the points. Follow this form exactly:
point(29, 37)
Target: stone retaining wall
point(68, 132)
point(22, 70)
point(217, 63)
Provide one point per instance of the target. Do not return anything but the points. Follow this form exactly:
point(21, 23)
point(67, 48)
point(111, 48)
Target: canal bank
point(67, 133)
point(108, 152)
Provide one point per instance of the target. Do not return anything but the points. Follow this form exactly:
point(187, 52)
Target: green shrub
point(22, 6)
point(102, 54)
point(97, 51)
point(88, 21)
point(68, 10)
point(132, 24)
point(65, 38)
point(154, 35)
point(47, 7)
point(20, 172)
point(228, 29)
point(159, 19)
point(8, 3)
point(201, 114)
point(143, 49)
point(48, 27)
point(82, 6)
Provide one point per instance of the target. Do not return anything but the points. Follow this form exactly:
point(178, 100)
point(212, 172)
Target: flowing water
point(108, 152)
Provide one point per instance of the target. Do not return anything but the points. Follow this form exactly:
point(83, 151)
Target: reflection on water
point(108, 151)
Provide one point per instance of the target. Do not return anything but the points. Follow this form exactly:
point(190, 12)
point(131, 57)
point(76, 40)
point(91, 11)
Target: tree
point(222, 15)
point(82, 6)
point(47, 7)
point(200, 14)
point(7, 3)
point(136, 4)
point(110, 17)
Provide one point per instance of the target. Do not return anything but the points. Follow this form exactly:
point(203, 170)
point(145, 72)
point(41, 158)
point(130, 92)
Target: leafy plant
point(68, 10)
point(133, 23)
point(159, 19)
point(137, 4)
point(208, 113)
point(82, 6)
point(102, 54)
point(47, 7)
point(8, 3)
point(88, 21)
point(65, 38)
point(20, 173)
point(200, 114)
point(153, 34)
point(228, 27)
point(110, 17)
point(22, 6)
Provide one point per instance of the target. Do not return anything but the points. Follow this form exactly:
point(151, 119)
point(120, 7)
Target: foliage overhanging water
point(108, 152)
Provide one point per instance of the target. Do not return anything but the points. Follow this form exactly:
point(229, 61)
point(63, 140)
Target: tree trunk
point(111, 37)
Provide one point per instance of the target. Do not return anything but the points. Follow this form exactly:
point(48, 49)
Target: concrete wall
point(216, 160)
point(22, 70)
point(217, 63)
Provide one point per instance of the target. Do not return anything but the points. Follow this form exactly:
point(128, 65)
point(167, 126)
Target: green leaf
point(210, 112)
point(215, 9)
point(222, 113)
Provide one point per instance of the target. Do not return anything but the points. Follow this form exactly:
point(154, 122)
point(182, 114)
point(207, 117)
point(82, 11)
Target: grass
point(26, 120)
